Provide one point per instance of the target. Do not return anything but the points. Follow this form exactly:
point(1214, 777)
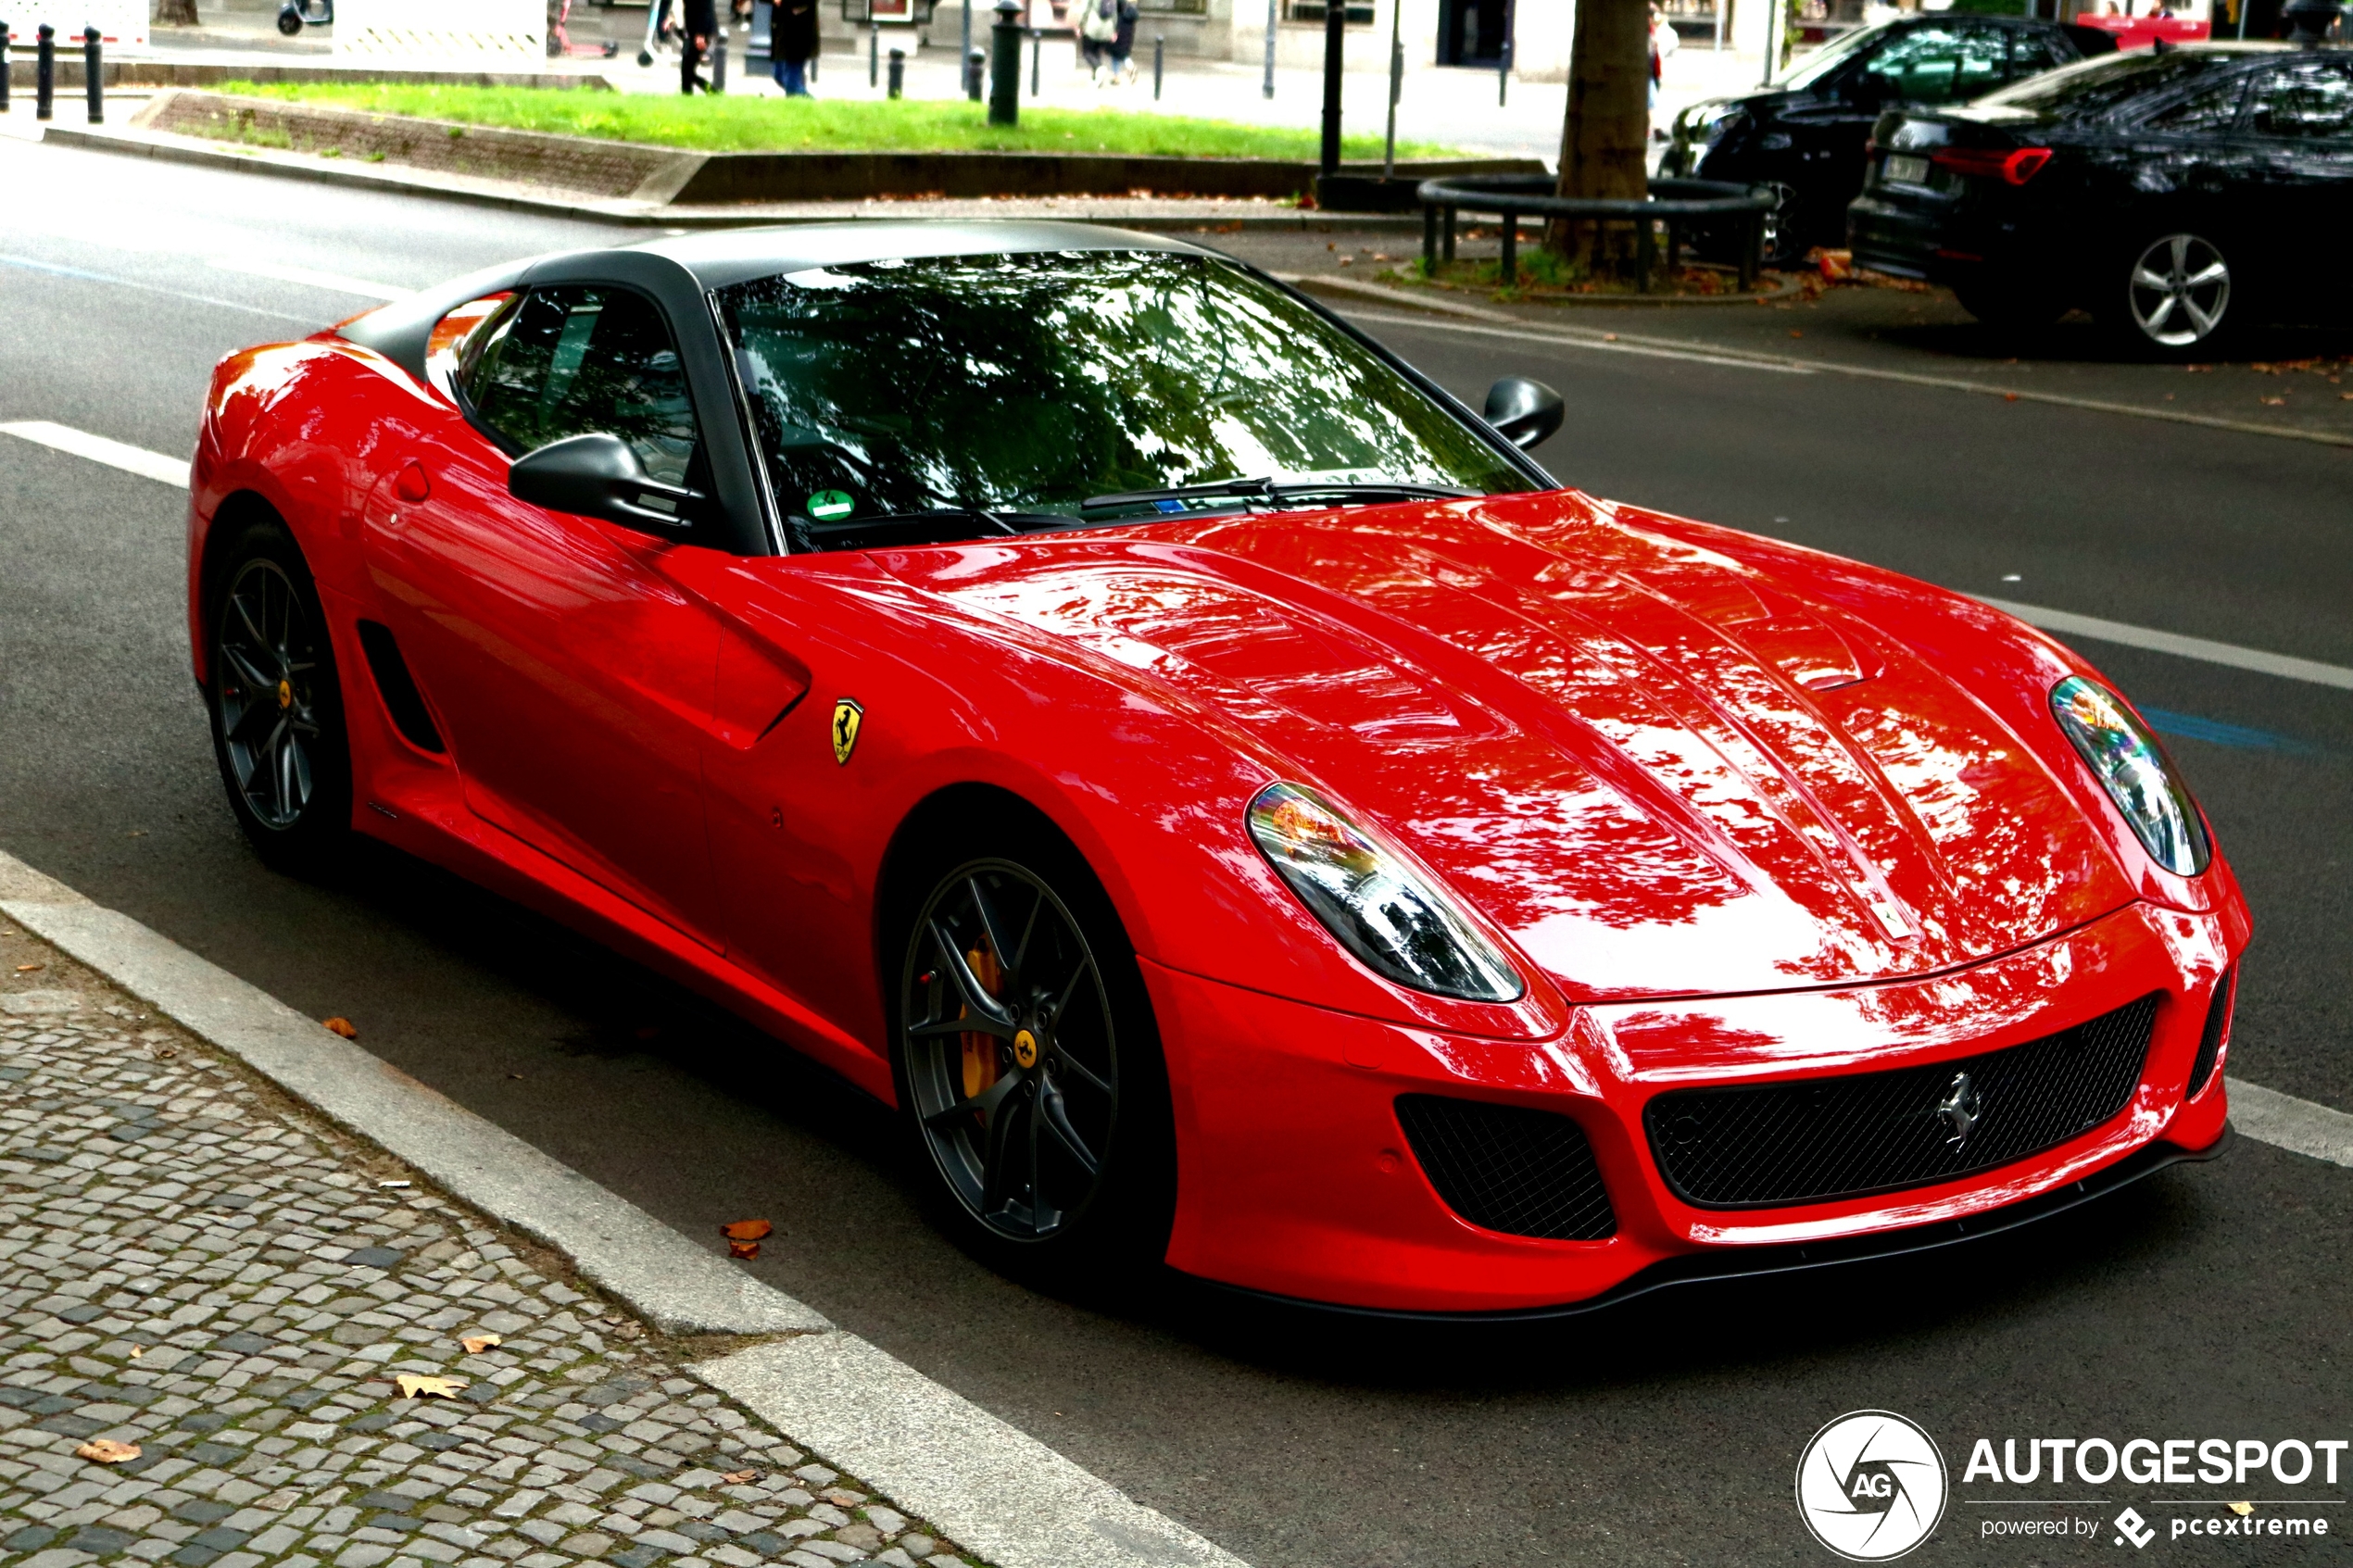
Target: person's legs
point(796, 81)
point(689, 56)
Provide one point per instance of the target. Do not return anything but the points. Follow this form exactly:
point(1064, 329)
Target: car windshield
point(1831, 55)
point(999, 392)
point(2091, 88)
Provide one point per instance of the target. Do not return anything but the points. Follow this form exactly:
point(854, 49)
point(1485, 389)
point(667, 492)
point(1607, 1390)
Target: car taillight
point(2015, 166)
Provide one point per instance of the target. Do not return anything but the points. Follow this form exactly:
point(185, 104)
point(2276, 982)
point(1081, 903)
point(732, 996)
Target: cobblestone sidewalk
point(195, 1265)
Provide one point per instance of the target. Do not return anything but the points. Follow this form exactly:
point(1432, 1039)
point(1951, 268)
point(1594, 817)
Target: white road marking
point(2298, 1125)
point(2285, 666)
point(98, 449)
point(310, 278)
point(1676, 348)
point(84, 275)
point(1595, 342)
point(999, 1491)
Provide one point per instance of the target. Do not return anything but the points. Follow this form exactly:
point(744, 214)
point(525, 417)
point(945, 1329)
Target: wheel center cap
point(1026, 1048)
point(285, 694)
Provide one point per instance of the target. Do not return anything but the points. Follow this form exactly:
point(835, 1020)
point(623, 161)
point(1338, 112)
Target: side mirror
point(599, 476)
point(1525, 412)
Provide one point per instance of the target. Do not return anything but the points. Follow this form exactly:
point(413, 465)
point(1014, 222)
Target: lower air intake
point(2218, 1025)
point(1506, 1168)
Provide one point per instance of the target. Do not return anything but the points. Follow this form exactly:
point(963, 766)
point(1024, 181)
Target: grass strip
point(772, 124)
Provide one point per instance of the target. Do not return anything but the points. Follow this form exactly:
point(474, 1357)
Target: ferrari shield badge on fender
point(848, 716)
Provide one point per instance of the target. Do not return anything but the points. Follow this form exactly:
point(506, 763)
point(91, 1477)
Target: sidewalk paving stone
point(236, 1288)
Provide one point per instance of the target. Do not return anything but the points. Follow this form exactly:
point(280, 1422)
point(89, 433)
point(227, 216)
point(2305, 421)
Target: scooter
point(559, 43)
point(295, 14)
point(659, 31)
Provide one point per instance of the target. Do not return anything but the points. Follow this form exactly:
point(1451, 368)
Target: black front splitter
point(1751, 1263)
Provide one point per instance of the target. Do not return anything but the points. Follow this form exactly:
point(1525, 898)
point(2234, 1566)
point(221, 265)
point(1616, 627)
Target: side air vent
point(2218, 1025)
point(398, 688)
point(1506, 1168)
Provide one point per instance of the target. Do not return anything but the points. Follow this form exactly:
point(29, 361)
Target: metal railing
point(1672, 202)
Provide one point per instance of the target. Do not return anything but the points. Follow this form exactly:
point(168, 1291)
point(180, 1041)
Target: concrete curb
point(622, 211)
point(990, 1486)
point(995, 1490)
point(675, 1285)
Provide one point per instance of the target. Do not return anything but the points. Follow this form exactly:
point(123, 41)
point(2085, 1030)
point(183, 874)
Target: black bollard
point(873, 54)
point(1036, 62)
point(45, 73)
point(93, 76)
point(976, 72)
point(1335, 26)
point(899, 73)
point(719, 61)
point(1004, 65)
point(4, 68)
point(1160, 47)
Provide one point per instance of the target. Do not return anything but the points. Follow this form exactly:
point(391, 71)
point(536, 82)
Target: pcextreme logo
point(1871, 1485)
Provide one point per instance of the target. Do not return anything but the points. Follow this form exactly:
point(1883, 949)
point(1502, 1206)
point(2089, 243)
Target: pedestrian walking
point(701, 23)
point(1663, 41)
point(792, 39)
point(1122, 41)
point(1096, 30)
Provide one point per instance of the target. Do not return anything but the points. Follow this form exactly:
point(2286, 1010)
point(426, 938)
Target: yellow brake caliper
point(980, 1051)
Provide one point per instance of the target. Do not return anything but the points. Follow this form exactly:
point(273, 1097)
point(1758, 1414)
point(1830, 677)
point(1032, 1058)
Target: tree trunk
point(176, 13)
point(1607, 141)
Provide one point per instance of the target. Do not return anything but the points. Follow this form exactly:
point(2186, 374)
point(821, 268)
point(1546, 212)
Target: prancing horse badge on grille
point(1961, 1108)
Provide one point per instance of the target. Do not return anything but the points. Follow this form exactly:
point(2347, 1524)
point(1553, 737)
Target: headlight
point(1373, 899)
point(2126, 760)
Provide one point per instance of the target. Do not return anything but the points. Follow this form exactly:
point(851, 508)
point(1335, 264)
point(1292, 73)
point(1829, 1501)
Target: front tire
point(276, 705)
point(2174, 298)
point(1028, 1065)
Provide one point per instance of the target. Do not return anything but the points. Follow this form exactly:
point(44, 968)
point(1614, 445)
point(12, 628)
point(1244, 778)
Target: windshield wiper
point(924, 526)
point(1267, 488)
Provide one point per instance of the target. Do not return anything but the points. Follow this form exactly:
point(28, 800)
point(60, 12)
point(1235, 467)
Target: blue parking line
point(2189, 726)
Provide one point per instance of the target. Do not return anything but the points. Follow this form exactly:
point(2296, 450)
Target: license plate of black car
point(1905, 170)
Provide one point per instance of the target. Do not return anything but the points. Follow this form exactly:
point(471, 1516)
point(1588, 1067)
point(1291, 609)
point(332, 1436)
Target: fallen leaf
point(2009, 398)
point(342, 1026)
point(105, 1451)
point(27, 968)
point(2275, 402)
point(746, 1230)
point(1609, 337)
point(415, 1388)
point(740, 1477)
point(137, 1351)
point(1794, 332)
point(743, 1249)
point(2242, 1508)
point(476, 1343)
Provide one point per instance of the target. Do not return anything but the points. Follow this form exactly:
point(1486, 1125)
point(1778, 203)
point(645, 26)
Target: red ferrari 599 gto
point(1241, 811)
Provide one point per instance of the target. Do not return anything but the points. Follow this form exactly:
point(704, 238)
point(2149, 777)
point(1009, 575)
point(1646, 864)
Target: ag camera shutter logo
point(1871, 1485)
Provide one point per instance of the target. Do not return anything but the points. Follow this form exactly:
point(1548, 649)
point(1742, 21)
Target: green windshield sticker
point(827, 504)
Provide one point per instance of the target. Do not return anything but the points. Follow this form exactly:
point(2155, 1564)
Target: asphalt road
point(2208, 1301)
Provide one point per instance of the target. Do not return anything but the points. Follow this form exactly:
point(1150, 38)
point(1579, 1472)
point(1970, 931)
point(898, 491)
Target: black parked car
point(2173, 193)
point(1805, 135)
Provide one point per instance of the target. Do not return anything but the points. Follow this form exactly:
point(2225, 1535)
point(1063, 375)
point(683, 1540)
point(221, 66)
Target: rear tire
point(1045, 1125)
point(276, 704)
point(2170, 297)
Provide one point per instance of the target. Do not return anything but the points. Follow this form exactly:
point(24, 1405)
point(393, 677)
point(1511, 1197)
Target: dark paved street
point(2209, 1301)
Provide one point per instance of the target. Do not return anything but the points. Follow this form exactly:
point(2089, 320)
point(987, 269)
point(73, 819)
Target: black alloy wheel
point(277, 710)
point(2176, 294)
point(1028, 1065)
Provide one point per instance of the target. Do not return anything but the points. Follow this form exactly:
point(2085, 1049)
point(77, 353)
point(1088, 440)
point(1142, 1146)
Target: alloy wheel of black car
point(277, 718)
point(1784, 242)
point(1011, 1051)
point(2179, 291)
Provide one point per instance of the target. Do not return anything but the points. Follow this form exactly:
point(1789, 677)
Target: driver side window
point(1940, 64)
point(577, 359)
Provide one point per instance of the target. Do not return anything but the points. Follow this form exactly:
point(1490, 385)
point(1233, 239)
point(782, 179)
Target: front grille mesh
point(2217, 1023)
point(1524, 1173)
point(1844, 1137)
